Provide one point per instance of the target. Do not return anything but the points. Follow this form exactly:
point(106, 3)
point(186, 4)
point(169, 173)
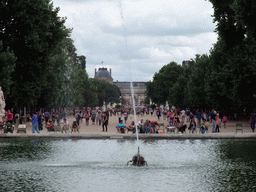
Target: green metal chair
point(22, 128)
point(8, 128)
point(57, 128)
point(239, 126)
point(161, 127)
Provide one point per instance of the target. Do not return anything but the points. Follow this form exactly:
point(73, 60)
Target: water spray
point(137, 160)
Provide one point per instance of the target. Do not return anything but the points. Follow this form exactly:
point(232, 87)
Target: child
point(217, 120)
point(225, 119)
point(74, 126)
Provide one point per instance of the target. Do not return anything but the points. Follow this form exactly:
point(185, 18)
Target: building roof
point(103, 73)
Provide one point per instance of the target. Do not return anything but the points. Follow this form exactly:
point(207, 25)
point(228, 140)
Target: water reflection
point(100, 165)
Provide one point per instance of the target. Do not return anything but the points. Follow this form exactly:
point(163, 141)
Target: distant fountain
point(2, 103)
point(138, 160)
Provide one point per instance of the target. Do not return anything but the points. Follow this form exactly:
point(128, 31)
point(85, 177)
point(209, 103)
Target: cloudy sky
point(135, 38)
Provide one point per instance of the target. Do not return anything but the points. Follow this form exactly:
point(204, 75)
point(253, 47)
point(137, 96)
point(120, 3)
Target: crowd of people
point(178, 120)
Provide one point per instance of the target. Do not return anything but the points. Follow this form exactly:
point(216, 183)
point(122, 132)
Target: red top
point(87, 116)
point(9, 116)
point(50, 125)
point(225, 118)
point(153, 123)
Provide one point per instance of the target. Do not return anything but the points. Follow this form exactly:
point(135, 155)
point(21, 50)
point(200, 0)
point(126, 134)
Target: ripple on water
point(100, 165)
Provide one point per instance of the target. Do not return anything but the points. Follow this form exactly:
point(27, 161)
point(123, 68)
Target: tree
point(234, 53)
point(34, 33)
point(159, 89)
point(106, 92)
point(7, 65)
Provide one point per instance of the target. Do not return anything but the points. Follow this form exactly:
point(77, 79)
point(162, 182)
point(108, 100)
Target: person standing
point(213, 115)
point(252, 121)
point(217, 122)
point(87, 118)
point(99, 117)
point(40, 120)
point(46, 116)
point(9, 117)
point(105, 122)
point(125, 116)
point(35, 123)
point(199, 117)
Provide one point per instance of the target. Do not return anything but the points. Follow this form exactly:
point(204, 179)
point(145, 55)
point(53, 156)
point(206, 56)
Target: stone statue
point(2, 103)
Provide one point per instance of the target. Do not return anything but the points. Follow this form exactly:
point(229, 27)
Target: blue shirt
point(34, 119)
point(121, 125)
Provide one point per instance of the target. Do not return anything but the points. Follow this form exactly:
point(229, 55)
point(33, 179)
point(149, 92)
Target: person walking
point(35, 123)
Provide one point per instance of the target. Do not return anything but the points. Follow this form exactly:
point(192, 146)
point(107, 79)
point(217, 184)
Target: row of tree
point(226, 78)
point(39, 66)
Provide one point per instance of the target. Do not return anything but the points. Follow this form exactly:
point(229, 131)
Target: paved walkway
point(94, 132)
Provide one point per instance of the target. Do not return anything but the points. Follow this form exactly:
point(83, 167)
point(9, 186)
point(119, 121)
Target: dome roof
point(103, 73)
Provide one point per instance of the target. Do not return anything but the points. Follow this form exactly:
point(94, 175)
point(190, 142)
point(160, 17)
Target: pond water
point(100, 165)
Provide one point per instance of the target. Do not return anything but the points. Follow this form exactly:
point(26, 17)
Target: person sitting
point(50, 126)
point(147, 126)
point(204, 126)
point(132, 127)
point(153, 125)
point(182, 127)
point(65, 125)
point(192, 125)
point(74, 126)
point(171, 127)
point(140, 126)
point(121, 126)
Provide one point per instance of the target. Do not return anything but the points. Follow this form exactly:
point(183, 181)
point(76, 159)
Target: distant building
point(103, 74)
point(125, 87)
point(185, 63)
point(139, 89)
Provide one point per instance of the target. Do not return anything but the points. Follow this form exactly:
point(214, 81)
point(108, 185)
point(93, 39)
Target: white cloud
point(138, 37)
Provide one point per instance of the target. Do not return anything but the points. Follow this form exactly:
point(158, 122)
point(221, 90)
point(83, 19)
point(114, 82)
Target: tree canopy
point(226, 78)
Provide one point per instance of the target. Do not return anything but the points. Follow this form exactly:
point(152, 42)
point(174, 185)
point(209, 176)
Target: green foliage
point(34, 33)
point(7, 65)
point(105, 92)
point(118, 106)
point(226, 78)
point(159, 89)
